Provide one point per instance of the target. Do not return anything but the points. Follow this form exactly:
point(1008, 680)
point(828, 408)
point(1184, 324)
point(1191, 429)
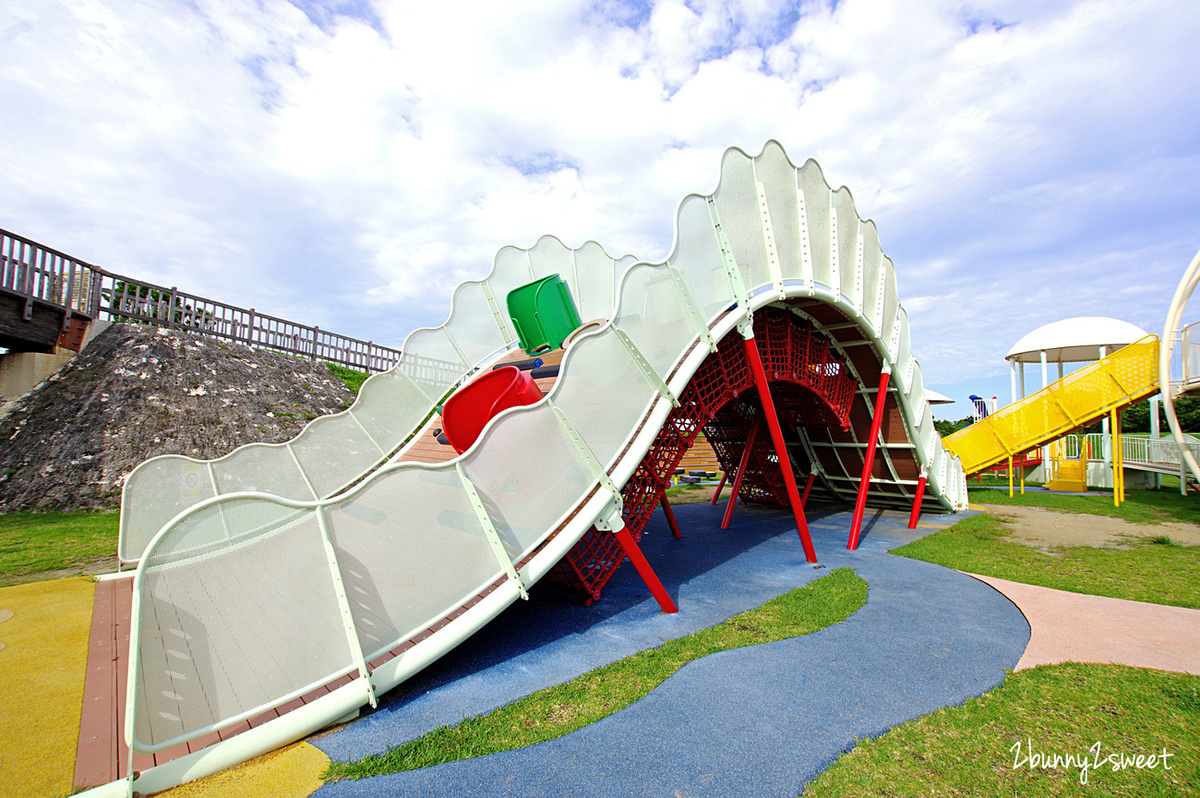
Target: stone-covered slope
point(136, 392)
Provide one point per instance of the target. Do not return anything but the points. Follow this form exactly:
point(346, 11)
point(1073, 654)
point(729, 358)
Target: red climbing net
point(810, 387)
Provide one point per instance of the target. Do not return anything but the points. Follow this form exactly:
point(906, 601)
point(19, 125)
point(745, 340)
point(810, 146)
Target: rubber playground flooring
point(755, 721)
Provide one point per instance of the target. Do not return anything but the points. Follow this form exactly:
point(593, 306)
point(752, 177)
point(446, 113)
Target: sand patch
point(1045, 529)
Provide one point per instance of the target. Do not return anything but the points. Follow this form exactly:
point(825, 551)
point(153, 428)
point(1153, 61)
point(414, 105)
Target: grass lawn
point(31, 543)
point(563, 708)
point(1148, 570)
point(1139, 507)
point(1052, 710)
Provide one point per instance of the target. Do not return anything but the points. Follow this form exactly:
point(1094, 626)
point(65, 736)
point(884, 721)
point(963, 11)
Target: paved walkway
point(754, 721)
point(1072, 627)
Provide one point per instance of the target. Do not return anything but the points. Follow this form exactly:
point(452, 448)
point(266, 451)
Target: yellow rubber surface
point(292, 772)
point(42, 669)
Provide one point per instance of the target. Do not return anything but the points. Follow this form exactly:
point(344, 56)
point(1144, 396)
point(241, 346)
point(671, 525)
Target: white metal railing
point(286, 592)
point(1135, 449)
point(1189, 355)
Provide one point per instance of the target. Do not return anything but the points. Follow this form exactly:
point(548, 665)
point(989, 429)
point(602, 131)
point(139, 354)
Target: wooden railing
point(38, 273)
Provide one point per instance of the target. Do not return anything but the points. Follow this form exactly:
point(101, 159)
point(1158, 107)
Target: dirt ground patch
point(1045, 529)
point(694, 494)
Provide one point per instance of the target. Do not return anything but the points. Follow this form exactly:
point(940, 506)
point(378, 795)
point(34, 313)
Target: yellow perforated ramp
point(1124, 377)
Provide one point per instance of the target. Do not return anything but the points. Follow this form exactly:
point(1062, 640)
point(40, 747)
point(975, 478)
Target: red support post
point(868, 461)
point(785, 462)
point(741, 472)
point(916, 510)
point(812, 477)
point(720, 487)
point(668, 512)
point(644, 570)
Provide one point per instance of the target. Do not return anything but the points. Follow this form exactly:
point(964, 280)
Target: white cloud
point(1023, 160)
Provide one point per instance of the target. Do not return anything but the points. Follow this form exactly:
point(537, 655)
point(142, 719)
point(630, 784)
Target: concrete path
point(755, 721)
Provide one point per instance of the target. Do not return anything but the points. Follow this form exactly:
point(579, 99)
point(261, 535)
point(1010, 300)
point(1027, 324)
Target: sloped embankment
point(136, 392)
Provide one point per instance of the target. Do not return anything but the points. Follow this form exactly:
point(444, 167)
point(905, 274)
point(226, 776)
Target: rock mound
point(137, 392)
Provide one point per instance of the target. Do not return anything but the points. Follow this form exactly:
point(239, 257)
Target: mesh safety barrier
point(528, 473)
point(607, 395)
point(1124, 377)
point(736, 200)
point(653, 315)
point(696, 249)
point(332, 452)
point(222, 636)
point(240, 602)
point(404, 563)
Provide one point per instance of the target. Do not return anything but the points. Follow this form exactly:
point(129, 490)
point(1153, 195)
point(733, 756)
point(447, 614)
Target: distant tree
point(945, 428)
point(1136, 417)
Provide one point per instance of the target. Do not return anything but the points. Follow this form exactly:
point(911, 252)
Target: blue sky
point(346, 163)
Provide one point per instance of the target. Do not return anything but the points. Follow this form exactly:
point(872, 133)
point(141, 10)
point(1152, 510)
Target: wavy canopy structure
point(378, 566)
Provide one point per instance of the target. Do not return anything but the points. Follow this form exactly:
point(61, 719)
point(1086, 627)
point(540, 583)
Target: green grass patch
point(352, 377)
point(564, 708)
point(1058, 710)
point(1145, 571)
point(31, 543)
point(1139, 507)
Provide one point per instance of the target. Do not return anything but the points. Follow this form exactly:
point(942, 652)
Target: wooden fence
point(39, 275)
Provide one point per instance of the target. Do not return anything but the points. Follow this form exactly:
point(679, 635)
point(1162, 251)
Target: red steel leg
point(669, 513)
point(812, 477)
point(720, 486)
point(785, 463)
point(916, 510)
point(868, 461)
point(644, 570)
point(741, 472)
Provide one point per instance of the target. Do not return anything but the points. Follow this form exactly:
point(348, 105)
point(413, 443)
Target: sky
point(345, 163)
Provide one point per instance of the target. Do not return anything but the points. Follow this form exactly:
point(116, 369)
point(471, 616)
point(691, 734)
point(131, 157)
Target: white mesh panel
point(551, 256)
point(916, 390)
point(904, 351)
point(594, 282)
point(405, 563)
point(154, 493)
point(925, 434)
point(698, 257)
point(622, 265)
point(510, 270)
point(603, 393)
point(736, 199)
point(778, 177)
point(527, 473)
point(816, 208)
point(472, 323)
point(268, 468)
point(235, 628)
point(334, 451)
point(652, 313)
point(429, 360)
point(872, 263)
point(390, 406)
point(847, 218)
point(891, 304)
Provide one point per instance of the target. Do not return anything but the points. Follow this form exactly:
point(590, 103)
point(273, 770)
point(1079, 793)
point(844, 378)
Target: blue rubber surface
point(756, 721)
